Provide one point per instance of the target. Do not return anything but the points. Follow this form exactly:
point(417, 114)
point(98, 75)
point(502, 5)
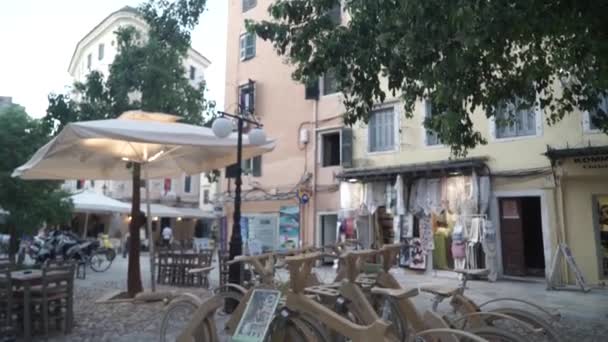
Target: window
point(192, 72)
point(247, 98)
point(330, 149)
point(381, 130)
point(205, 196)
point(187, 184)
point(253, 166)
point(515, 120)
point(600, 112)
point(142, 183)
point(247, 44)
point(89, 61)
point(248, 4)
point(330, 83)
point(432, 138)
point(100, 51)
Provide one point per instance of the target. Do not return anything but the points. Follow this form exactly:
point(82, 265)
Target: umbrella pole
point(149, 226)
point(86, 223)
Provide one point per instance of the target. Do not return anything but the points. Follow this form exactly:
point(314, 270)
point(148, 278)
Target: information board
point(257, 316)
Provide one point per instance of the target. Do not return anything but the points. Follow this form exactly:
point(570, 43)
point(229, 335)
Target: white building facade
point(96, 52)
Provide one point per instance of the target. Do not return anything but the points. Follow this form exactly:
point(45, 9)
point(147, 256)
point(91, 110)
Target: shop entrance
point(522, 236)
point(327, 231)
point(602, 229)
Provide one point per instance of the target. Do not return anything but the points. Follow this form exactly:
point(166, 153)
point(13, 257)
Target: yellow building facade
point(557, 173)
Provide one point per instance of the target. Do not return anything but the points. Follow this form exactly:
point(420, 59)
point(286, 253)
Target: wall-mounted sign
point(592, 162)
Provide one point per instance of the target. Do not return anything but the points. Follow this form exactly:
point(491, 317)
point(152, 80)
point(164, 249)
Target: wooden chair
point(54, 299)
point(9, 304)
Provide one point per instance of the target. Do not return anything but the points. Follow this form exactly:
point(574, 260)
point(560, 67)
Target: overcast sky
point(38, 37)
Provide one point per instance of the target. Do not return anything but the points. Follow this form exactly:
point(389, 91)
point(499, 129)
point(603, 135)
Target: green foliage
point(147, 73)
point(30, 203)
point(462, 55)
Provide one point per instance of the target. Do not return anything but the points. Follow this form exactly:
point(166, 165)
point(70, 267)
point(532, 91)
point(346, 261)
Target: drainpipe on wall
point(561, 222)
point(315, 120)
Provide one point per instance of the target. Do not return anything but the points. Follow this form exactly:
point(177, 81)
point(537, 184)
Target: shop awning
point(194, 213)
point(92, 202)
point(562, 153)
point(430, 169)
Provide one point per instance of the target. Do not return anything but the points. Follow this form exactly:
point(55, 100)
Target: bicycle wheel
point(292, 328)
point(100, 262)
point(493, 334)
point(110, 254)
point(226, 322)
point(389, 311)
point(549, 333)
point(177, 317)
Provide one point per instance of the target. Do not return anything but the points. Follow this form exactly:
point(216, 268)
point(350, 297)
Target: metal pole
point(86, 223)
point(236, 240)
point(149, 227)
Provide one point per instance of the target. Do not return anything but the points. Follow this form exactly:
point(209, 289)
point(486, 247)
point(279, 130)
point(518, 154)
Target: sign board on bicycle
point(257, 316)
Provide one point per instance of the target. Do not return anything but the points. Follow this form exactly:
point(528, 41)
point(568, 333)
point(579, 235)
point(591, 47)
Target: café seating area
point(184, 267)
point(36, 300)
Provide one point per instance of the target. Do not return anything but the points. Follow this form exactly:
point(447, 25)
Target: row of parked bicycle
point(65, 245)
point(364, 302)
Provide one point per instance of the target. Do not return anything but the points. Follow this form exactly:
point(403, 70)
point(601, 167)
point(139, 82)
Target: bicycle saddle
point(441, 292)
point(395, 293)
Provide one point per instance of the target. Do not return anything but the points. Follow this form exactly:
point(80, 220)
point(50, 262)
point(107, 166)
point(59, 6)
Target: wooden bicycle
point(303, 318)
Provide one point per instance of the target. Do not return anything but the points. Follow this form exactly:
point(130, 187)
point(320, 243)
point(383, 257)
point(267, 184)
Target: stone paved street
point(584, 316)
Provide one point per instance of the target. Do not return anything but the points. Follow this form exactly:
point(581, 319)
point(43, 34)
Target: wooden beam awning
point(417, 170)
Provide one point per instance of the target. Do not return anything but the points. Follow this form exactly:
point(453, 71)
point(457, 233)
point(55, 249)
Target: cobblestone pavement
point(584, 316)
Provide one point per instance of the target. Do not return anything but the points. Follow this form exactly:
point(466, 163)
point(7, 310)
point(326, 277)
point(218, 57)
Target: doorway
point(328, 225)
point(522, 236)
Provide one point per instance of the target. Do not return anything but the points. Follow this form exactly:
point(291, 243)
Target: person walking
point(167, 236)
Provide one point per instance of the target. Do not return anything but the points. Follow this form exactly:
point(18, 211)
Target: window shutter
point(256, 167)
point(493, 133)
point(311, 91)
point(250, 43)
point(243, 46)
point(347, 147)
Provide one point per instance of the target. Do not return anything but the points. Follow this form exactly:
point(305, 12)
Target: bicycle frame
point(299, 269)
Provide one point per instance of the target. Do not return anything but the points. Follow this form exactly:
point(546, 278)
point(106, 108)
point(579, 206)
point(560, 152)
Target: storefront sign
point(289, 227)
point(592, 162)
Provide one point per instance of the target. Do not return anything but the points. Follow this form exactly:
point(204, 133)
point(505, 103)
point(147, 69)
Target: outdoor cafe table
point(26, 279)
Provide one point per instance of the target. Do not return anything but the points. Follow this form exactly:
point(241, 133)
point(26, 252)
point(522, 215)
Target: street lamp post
point(222, 127)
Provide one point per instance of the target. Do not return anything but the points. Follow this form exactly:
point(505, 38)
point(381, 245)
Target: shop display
point(417, 255)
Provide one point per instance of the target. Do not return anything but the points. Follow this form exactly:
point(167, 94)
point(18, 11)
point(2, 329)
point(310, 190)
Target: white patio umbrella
point(152, 142)
point(90, 202)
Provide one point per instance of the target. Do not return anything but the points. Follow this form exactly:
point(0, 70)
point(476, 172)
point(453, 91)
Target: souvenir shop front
point(438, 209)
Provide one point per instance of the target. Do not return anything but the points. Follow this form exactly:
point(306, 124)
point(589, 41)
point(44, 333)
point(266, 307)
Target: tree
point(30, 203)
point(461, 55)
point(147, 73)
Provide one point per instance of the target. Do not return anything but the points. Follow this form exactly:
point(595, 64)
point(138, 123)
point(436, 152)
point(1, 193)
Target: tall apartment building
point(96, 51)
point(531, 188)
point(290, 195)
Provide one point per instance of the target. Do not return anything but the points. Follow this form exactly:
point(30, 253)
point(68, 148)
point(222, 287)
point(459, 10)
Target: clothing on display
point(440, 252)
point(400, 205)
point(459, 249)
point(375, 195)
point(407, 226)
point(417, 255)
point(426, 233)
